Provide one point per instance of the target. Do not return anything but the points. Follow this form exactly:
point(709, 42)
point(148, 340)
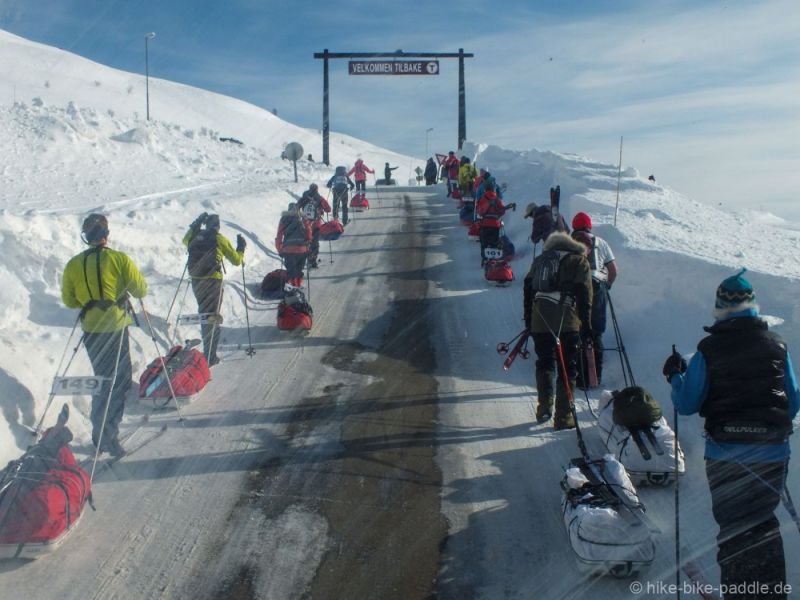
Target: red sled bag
point(456, 194)
point(359, 201)
point(332, 230)
point(294, 313)
point(272, 285)
point(498, 271)
point(42, 495)
point(187, 369)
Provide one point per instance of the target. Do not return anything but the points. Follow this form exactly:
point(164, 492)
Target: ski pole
point(623, 353)
point(161, 360)
point(52, 395)
point(308, 280)
point(676, 449)
point(250, 351)
point(177, 291)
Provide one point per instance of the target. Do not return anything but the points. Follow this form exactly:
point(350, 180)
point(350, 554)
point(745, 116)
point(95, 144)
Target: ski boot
point(544, 390)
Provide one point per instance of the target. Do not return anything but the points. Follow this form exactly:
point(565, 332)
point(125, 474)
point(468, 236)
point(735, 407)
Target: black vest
point(746, 400)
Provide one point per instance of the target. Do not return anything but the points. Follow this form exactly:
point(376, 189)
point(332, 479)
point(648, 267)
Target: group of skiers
point(741, 379)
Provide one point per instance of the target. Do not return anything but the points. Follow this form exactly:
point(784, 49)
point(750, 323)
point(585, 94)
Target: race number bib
point(492, 253)
point(310, 212)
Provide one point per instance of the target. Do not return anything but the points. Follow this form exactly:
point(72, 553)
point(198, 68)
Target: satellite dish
point(293, 151)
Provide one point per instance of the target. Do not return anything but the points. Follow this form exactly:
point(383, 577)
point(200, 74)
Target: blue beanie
point(735, 292)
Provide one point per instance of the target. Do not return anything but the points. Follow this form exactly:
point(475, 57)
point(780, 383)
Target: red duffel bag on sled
point(331, 230)
point(187, 369)
point(42, 495)
point(294, 313)
point(359, 201)
point(498, 271)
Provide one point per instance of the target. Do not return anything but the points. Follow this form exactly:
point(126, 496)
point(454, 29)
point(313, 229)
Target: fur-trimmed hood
point(563, 242)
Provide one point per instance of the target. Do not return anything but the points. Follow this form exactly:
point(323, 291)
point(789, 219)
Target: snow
point(74, 141)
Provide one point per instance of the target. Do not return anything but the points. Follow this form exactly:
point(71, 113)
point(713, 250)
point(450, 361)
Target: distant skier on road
point(292, 242)
point(452, 165)
point(741, 380)
point(207, 247)
point(340, 183)
point(491, 209)
point(430, 172)
point(387, 173)
point(359, 173)
point(312, 205)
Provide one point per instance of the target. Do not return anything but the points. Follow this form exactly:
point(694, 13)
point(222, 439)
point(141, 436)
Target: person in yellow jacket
point(98, 282)
point(207, 247)
point(467, 173)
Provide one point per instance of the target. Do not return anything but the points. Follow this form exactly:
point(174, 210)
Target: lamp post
point(427, 132)
point(147, 37)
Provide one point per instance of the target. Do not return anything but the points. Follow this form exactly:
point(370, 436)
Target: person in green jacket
point(98, 281)
point(207, 247)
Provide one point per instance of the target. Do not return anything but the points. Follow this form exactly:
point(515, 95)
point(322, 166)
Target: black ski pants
point(102, 349)
point(340, 199)
point(489, 236)
point(750, 548)
point(295, 263)
point(361, 185)
point(208, 293)
point(547, 353)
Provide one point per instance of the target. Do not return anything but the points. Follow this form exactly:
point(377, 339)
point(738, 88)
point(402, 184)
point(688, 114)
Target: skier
point(604, 273)
point(312, 206)
point(491, 209)
point(741, 380)
point(543, 224)
point(98, 282)
point(340, 183)
point(359, 172)
point(481, 189)
point(207, 247)
point(387, 173)
point(563, 311)
point(292, 243)
point(451, 165)
point(467, 174)
point(430, 172)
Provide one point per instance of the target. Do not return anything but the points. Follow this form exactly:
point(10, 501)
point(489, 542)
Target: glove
point(674, 365)
point(198, 222)
point(240, 243)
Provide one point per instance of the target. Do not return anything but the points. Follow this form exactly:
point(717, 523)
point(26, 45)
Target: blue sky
point(704, 93)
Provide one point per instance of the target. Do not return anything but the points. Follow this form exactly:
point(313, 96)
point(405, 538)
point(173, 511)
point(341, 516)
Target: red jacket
point(294, 234)
point(360, 171)
point(452, 164)
point(491, 210)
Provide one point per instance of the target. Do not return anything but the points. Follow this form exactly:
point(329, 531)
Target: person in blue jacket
point(741, 380)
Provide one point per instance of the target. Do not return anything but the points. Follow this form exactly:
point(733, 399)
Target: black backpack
point(295, 232)
point(203, 254)
point(543, 276)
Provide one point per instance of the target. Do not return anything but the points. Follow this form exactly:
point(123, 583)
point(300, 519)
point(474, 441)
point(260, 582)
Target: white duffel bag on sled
point(647, 452)
point(605, 520)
